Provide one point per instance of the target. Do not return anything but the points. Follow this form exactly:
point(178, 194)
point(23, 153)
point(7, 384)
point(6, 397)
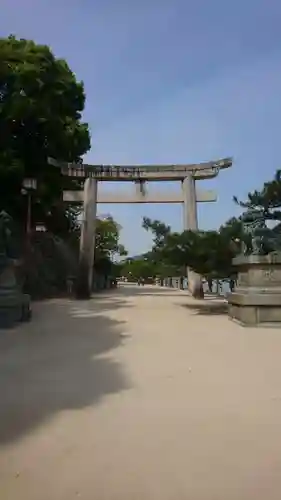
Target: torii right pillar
point(190, 219)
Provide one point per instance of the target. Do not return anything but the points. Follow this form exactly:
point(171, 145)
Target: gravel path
point(139, 394)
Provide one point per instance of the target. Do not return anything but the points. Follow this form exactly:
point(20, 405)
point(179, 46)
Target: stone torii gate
point(140, 175)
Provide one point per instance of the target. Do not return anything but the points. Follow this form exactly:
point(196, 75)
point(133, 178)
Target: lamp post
point(29, 185)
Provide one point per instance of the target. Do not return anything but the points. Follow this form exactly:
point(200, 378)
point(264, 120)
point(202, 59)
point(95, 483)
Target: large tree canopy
point(209, 253)
point(41, 104)
point(146, 267)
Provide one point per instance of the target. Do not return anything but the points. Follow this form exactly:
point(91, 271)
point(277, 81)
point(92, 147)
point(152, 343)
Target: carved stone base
point(256, 301)
point(83, 286)
point(13, 309)
point(195, 285)
point(14, 305)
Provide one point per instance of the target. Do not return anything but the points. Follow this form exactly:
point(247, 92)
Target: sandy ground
point(139, 394)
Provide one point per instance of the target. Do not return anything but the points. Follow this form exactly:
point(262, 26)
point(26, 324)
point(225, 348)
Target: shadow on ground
point(61, 360)
point(97, 304)
point(207, 307)
point(127, 290)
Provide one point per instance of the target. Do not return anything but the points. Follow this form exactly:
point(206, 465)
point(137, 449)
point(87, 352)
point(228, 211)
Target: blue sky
point(170, 81)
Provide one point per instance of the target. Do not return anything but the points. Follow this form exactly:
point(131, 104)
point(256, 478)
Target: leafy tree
point(208, 253)
point(268, 199)
point(41, 103)
point(107, 239)
point(134, 269)
point(159, 231)
point(107, 246)
point(147, 266)
point(232, 229)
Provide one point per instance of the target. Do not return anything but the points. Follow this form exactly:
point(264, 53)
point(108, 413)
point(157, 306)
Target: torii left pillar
point(87, 240)
point(191, 223)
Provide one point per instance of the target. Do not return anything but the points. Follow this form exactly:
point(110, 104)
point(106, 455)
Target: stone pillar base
point(83, 286)
point(255, 309)
point(257, 299)
point(195, 286)
point(14, 307)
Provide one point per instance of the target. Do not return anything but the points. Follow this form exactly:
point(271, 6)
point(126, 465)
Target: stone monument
point(256, 300)
point(14, 305)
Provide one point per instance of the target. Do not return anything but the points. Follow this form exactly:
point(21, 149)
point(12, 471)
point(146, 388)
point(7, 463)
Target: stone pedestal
point(13, 309)
point(14, 305)
point(256, 301)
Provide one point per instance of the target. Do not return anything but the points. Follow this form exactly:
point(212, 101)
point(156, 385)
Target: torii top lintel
point(142, 172)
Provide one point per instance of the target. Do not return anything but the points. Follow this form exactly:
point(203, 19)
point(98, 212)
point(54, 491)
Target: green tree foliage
point(107, 245)
point(268, 199)
point(209, 253)
point(147, 267)
point(107, 239)
point(159, 231)
point(41, 103)
point(138, 268)
point(232, 229)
